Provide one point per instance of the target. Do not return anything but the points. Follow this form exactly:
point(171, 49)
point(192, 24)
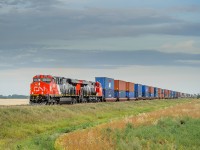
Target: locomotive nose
point(38, 88)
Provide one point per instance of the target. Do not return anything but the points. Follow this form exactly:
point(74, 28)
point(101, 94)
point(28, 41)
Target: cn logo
point(37, 89)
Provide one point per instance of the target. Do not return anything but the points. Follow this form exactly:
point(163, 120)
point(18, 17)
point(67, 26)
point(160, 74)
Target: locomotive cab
point(41, 88)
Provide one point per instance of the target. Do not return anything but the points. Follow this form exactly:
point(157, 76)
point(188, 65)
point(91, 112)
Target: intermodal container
point(162, 93)
point(145, 91)
point(130, 87)
point(120, 85)
point(168, 91)
point(178, 94)
point(174, 94)
point(108, 93)
point(130, 94)
point(151, 95)
point(151, 89)
point(106, 83)
point(138, 90)
point(159, 92)
point(120, 94)
point(166, 95)
point(155, 92)
point(170, 94)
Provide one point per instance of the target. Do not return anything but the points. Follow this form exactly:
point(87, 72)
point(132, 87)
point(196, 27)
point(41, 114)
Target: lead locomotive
point(47, 89)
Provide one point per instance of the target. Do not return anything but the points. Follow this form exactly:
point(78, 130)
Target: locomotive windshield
point(47, 80)
point(36, 79)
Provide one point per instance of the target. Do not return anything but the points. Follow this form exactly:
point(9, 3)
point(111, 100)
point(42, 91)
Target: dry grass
point(91, 139)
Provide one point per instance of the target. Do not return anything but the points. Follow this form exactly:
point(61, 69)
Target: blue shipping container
point(138, 90)
point(120, 94)
point(155, 92)
point(106, 83)
point(130, 94)
point(108, 93)
point(170, 94)
point(145, 91)
point(151, 95)
point(174, 94)
point(162, 91)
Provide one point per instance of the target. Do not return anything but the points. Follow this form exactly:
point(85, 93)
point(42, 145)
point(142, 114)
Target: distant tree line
point(198, 96)
point(14, 96)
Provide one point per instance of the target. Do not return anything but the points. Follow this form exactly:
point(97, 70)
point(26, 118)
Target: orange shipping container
point(130, 87)
point(151, 89)
point(120, 85)
point(166, 93)
point(159, 90)
point(159, 95)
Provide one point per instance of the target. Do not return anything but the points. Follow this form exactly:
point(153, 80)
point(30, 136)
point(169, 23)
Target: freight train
point(48, 89)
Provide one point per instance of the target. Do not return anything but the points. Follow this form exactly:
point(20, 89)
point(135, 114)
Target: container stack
point(159, 93)
point(151, 92)
point(178, 94)
point(138, 91)
point(170, 94)
point(174, 94)
point(155, 92)
point(166, 93)
point(130, 90)
point(145, 91)
point(108, 87)
point(120, 90)
point(162, 93)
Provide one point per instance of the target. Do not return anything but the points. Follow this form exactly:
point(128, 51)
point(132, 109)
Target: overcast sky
point(151, 42)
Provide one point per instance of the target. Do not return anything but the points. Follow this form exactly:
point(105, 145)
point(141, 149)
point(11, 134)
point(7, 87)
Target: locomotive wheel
point(84, 100)
point(43, 103)
point(74, 101)
point(57, 102)
point(49, 101)
point(98, 100)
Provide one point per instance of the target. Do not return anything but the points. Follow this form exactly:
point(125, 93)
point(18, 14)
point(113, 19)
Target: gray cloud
point(183, 9)
point(93, 59)
point(31, 25)
point(29, 3)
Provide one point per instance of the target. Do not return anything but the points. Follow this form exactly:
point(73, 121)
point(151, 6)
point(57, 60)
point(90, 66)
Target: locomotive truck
point(47, 89)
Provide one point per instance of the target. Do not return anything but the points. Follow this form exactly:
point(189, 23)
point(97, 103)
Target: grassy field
point(168, 133)
point(175, 127)
point(37, 127)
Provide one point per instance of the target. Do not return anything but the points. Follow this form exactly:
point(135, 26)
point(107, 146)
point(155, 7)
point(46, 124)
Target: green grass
point(167, 134)
point(37, 127)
